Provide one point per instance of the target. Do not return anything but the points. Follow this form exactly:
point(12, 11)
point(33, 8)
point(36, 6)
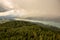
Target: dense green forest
point(23, 30)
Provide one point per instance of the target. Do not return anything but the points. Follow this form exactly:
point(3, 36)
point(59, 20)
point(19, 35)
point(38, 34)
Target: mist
point(35, 8)
point(39, 8)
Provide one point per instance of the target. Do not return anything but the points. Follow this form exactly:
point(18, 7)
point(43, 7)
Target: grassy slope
point(22, 30)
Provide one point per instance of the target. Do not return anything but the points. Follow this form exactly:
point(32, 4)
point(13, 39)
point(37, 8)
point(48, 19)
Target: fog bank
point(35, 8)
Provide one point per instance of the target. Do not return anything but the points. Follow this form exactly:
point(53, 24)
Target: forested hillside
point(23, 30)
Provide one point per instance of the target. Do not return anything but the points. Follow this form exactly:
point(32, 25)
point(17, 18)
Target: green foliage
point(22, 30)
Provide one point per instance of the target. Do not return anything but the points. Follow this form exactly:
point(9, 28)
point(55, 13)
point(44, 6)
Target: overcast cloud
point(36, 8)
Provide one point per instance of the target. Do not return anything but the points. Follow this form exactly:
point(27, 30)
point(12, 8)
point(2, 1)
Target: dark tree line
point(22, 30)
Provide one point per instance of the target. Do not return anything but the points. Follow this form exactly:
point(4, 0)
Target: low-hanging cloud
point(36, 8)
point(39, 8)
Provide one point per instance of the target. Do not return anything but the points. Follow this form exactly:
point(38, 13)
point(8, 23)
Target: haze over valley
point(42, 10)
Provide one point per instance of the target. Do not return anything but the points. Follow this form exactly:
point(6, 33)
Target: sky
point(33, 8)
